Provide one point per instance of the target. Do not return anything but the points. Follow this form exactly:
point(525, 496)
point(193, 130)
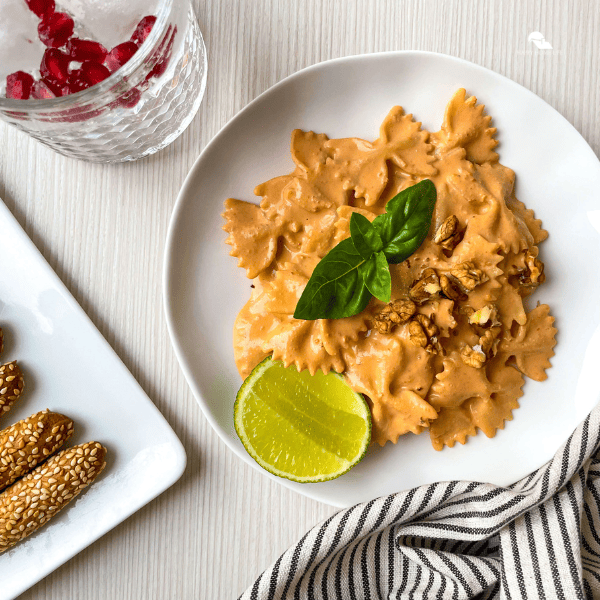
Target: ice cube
point(110, 22)
point(20, 47)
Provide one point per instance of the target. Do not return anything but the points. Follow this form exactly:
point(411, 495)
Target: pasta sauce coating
point(458, 365)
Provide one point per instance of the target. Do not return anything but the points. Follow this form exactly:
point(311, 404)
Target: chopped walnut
point(383, 326)
point(429, 327)
point(468, 275)
point(486, 341)
point(486, 316)
point(423, 332)
point(451, 290)
point(473, 356)
point(447, 235)
point(394, 313)
point(476, 356)
point(417, 336)
point(426, 287)
point(534, 274)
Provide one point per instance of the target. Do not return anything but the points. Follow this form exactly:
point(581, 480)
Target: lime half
point(303, 427)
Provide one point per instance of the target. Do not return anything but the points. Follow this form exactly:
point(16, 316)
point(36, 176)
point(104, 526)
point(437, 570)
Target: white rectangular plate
point(71, 369)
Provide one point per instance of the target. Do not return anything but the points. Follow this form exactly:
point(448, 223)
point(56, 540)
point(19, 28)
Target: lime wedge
point(303, 427)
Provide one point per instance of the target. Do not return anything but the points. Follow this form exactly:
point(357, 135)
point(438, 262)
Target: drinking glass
point(139, 109)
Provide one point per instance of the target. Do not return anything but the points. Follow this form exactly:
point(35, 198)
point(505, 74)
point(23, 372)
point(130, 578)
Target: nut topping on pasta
point(450, 352)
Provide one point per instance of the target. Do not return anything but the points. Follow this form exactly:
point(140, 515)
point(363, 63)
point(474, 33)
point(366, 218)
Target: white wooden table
point(102, 228)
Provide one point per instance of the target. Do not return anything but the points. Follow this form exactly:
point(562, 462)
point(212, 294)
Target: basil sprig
point(357, 268)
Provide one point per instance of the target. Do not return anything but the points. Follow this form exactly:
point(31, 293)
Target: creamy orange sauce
point(304, 214)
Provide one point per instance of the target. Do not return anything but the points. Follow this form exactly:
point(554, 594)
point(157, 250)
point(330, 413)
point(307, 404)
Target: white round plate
point(558, 175)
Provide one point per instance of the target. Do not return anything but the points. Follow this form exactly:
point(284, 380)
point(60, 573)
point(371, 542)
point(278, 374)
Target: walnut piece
point(447, 235)
point(423, 332)
point(446, 229)
point(486, 316)
point(394, 313)
point(417, 336)
point(534, 274)
point(468, 275)
point(451, 290)
point(473, 356)
point(476, 356)
point(426, 287)
point(486, 341)
point(429, 327)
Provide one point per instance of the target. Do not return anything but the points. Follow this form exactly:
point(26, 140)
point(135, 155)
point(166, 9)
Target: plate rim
point(179, 450)
point(169, 268)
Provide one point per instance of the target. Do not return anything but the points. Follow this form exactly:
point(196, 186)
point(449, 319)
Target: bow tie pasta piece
point(308, 150)
point(266, 326)
point(466, 126)
point(406, 144)
point(485, 402)
point(252, 237)
point(364, 167)
point(394, 375)
point(532, 346)
point(527, 215)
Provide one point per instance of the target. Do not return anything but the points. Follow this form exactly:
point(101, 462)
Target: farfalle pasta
point(450, 352)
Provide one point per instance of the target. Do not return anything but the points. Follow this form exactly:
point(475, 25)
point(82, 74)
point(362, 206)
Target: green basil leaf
point(376, 275)
point(335, 289)
point(406, 222)
point(344, 280)
point(365, 237)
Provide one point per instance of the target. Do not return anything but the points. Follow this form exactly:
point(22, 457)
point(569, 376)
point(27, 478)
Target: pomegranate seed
point(161, 66)
point(41, 91)
point(142, 31)
point(55, 29)
point(18, 85)
point(41, 7)
point(82, 50)
point(54, 68)
point(54, 87)
point(94, 72)
point(77, 82)
point(119, 55)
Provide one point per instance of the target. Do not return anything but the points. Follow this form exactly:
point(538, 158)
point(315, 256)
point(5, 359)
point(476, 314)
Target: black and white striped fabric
point(538, 539)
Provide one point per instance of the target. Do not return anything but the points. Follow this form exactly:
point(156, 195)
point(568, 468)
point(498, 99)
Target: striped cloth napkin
point(538, 538)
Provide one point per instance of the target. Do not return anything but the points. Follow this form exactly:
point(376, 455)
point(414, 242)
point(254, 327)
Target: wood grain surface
point(102, 228)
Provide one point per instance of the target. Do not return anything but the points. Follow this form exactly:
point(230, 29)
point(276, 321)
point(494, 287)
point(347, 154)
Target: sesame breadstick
point(29, 442)
point(11, 385)
point(30, 502)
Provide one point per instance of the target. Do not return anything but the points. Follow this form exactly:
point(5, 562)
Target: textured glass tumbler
point(139, 109)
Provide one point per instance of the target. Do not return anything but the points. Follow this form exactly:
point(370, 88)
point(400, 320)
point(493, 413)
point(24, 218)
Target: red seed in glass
point(55, 29)
point(77, 82)
point(41, 91)
point(81, 50)
point(94, 72)
point(142, 31)
point(119, 55)
point(41, 7)
point(55, 87)
point(55, 67)
point(161, 66)
point(18, 85)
